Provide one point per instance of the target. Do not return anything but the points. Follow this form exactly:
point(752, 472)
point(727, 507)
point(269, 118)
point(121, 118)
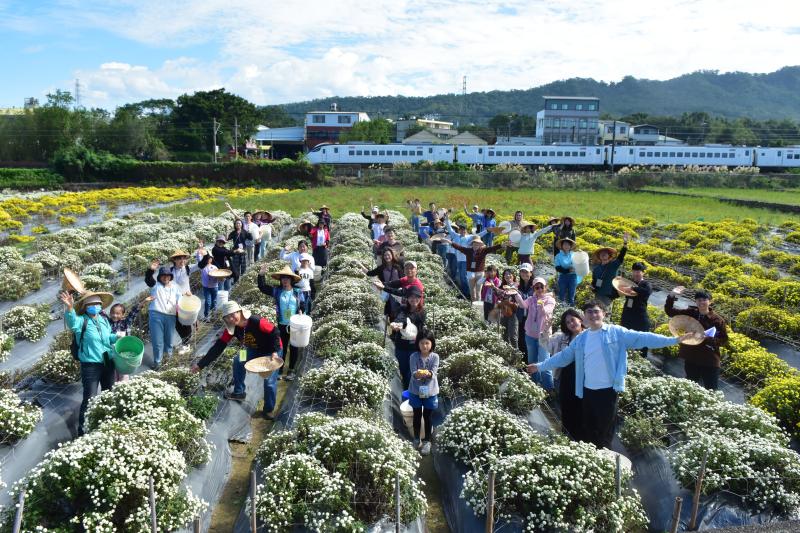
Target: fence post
point(253, 493)
point(397, 502)
point(196, 525)
point(490, 504)
point(697, 488)
point(153, 519)
point(676, 515)
point(618, 476)
point(20, 510)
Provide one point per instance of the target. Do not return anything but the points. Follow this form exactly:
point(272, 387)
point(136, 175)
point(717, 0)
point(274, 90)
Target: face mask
point(93, 310)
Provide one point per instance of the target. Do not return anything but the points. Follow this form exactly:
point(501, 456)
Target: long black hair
point(566, 314)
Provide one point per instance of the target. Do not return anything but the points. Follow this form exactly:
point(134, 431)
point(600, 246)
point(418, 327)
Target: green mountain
point(775, 95)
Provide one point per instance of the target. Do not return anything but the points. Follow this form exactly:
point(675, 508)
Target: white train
point(560, 156)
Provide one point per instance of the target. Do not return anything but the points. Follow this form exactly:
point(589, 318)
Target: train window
point(552, 154)
point(529, 153)
point(597, 151)
point(672, 154)
point(480, 150)
point(358, 152)
point(490, 154)
point(575, 154)
point(656, 154)
point(430, 150)
point(716, 154)
point(404, 152)
point(335, 150)
point(694, 154)
point(381, 152)
point(397, 152)
point(649, 154)
point(351, 152)
point(324, 151)
point(747, 152)
point(724, 155)
point(779, 153)
point(560, 154)
point(514, 153)
point(536, 153)
point(374, 152)
point(419, 152)
point(505, 153)
point(641, 154)
point(630, 151)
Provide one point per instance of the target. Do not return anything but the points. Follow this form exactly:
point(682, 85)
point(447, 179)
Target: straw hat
point(553, 220)
point(489, 210)
point(572, 220)
point(526, 224)
point(103, 298)
point(262, 213)
point(264, 366)
point(72, 282)
point(305, 226)
point(179, 253)
point(681, 324)
point(476, 239)
point(497, 230)
point(624, 285)
point(324, 207)
point(285, 271)
point(221, 273)
point(612, 253)
point(562, 241)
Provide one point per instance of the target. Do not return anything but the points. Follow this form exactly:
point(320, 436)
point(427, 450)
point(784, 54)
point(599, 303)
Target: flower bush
point(478, 339)
point(781, 398)
point(368, 355)
point(96, 283)
point(58, 366)
point(17, 420)
point(338, 334)
point(344, 384)
point(27, 322)
point(143, 402)
point(101, 270)
point(640, 431)
point(558, 488)
point(6, 344)
point(99, 483)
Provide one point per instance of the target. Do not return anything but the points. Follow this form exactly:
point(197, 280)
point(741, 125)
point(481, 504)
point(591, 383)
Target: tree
point(192, 118)
point(378, 131)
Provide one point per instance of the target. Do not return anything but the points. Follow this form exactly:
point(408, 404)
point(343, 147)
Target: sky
point(274, 52)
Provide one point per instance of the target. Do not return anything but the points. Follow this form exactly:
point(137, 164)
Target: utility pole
point(77, 93)
point(463, 98)
point(236, 137)
point(613, 145)
point(215, 129)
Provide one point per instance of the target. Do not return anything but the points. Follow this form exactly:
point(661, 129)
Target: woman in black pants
point(571, 405)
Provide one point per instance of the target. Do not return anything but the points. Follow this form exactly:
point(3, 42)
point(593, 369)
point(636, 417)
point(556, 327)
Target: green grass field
point(791, 197)
point(590, 204)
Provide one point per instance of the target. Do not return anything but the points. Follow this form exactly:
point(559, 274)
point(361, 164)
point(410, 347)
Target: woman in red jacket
point(320, 237)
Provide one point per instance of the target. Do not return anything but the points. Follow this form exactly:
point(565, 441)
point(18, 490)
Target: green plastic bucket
point(128, 356)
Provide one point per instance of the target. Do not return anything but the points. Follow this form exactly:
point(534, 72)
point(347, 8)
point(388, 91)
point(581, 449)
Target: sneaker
point(289, 377)
point(267, 416)
point(184, 349)
point(426, 448)
point(417, 444)
point(155, 366)
point(235, 396)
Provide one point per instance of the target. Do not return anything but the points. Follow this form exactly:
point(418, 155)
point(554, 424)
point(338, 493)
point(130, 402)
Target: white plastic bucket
point(580, 261)
point(514, 236)
point(317, 273)
point(222, 298)
point(189, 309)
point(300, 330)
point(408, 419)
point(506, 225)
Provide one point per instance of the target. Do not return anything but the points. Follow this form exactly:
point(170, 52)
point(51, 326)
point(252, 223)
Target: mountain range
point(775, 95)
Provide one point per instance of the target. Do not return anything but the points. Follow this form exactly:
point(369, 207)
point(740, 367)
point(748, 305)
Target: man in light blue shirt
point(461, 238)
point(601, 363)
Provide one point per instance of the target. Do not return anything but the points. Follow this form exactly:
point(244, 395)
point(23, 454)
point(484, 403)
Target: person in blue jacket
point(601, 363)
point(95, 342)
point(289, 301)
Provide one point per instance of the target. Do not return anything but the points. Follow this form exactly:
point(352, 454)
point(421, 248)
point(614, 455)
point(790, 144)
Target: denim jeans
point(566, 287)
point(462, 278)
point(162, 327)
point(210, 297)
point(402, 353)
point(225, 284)
point(262, 247)
point(537, 354)
point(415, 223)
point(270, 383)
point(452, 267)
point(92, 375)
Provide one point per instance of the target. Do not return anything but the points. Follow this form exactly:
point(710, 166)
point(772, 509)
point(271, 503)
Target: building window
point(318, 119)
point(578, 107)
point(335, 150)
point(583, 124)
point(556, 122)
point(591, 107)
point(553, 106)
point(564, 107)
point(345, 119)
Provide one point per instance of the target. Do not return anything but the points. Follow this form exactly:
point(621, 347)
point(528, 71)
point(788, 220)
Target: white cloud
point(274, 52)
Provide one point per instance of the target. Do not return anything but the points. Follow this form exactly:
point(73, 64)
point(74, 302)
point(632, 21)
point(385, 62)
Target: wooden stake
point(676, 515)
point(20, 508)
point(697, 488)
point(490, 504)
point(153, 519)
point(253, 492)
point(397, 503)
point(618, 476)
point(196, 525)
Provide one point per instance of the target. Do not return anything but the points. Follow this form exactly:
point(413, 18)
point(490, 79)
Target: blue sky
point(274, 52)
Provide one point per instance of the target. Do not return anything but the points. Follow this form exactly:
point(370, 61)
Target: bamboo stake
point(697, 488)
point(676, 515)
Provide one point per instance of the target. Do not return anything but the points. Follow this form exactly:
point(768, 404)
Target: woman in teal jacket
point(95, 342)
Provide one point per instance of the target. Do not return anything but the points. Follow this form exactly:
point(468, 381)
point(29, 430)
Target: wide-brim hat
point(105, 298)
point(324, 207)
point(221, 238)
point(305, 226)
point(572, 220)
point(553, 220)
point(264, 366)
point(72, 282)
point(489, 210)
point(682, 324)
point(220, 273)
point(497, 230)
point(562, 241)
point(477, 239)
point(179, 253)
point(285, 271)
point(612, 253)
point(526, 224)
point(262, 213)
point(623, 285)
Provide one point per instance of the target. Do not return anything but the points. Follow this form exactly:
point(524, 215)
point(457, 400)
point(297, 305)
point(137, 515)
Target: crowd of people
point(582, 364)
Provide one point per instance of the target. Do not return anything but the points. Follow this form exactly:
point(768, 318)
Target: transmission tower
point(77, 93)
point(464, 97)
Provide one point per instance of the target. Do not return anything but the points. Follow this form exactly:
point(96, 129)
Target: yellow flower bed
point(781, 398)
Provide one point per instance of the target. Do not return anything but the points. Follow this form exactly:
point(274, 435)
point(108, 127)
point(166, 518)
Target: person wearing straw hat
point(562, 229)
point(412, 313)
point(162, 314)
point(320, 238)
point(601, 364)
point(324, 214)
point(701, 361)
point(221, 256)
point(289, 301)
point(95, 341)
point(294, 257)
point(489, 222)
point(607, 262)
point(527, 240)
point(210, 282)
point(525, 290)
point(567, 278)
point(258, 337)
point(181, 271)
point(634, 312)
point(476, 260)
point(540, 308)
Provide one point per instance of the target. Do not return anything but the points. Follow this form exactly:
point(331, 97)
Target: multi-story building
point(568, 119)
point(607, 135)
point(326, 126)
point(439, 128)
point(646, 134)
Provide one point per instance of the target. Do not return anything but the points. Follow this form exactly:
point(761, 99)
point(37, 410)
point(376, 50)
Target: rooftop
point(570, 98)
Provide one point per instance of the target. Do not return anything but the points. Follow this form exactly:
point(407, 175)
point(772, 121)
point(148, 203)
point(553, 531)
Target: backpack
point(75, 346)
